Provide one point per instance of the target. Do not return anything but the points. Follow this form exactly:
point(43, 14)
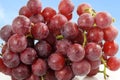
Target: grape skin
point(81, 68)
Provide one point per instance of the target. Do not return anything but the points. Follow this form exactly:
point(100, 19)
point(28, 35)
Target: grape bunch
point(43, 44)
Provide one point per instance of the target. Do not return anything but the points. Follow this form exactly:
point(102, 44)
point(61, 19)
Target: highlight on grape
point(43, 44)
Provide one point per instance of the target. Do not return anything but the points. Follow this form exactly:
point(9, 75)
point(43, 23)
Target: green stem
point(59, 37)
point(85, 38)
point(104, 70)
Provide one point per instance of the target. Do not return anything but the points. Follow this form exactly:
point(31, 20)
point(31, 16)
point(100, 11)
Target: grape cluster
point(42, 44)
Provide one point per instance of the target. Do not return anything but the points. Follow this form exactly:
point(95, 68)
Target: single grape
point(40, 31)
point(81, 68)
point(37, 18)
point(56, 23)
point(62, 46)
point(65, 7)
point(28, 56)
point(69, 30)
point(50, 75)
point(25, 11)
point(21, 72)
point(11, 59)
point(6, 32)
point(93, 72)
point(103, 19)
point(93, 32)
point(76, 52)
point(43, 49)
point(39, 67)
point(33, 77)
point(64, 74)
point(95, 64)
point(21, 25)
point(110, 48)
point(35, 6)
point(17, 43)
point(110, 33)
point(113, 63)
point(82, 8)
point(48, 13)
point(93, 51)
point(85, 21)
point(56, 61)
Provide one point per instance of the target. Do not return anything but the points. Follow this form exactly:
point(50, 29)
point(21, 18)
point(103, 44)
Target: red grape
point(65, 7)
point(62, 46)
point(11, 59)
point(113, 63)
point(17, 43)
point(37, 18)
point(70, 30)
point(82, 8)
point(39, 67)
point(110, 33)
point(64, 74)
point(93, 32)
point(56, 61)
point(93, 51)
point(56, 23)
point(110, 48)
point(81, 68)
point(6, 32)
point(21, 25)
point(28, 56)
point(35, 6)
point(21, 72)
point(40, 31)
point(2, 66)
point(76, 52)
point(25, 11)
point(103, 19)
point(43, 49)
point(48, 13)
point(85, 21)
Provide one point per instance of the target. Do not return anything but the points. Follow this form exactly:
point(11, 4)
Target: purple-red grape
point(28, 56)
point(6, 32)
point(43, 49)
point(21, 72)
point(56, 61)
point(39, 67)
point(17, 43)
point(21, 25)
point(103, 19)
point(76, 52)
point(64, 74)
point(40, 31)
point(93, 51)
point(81, 68)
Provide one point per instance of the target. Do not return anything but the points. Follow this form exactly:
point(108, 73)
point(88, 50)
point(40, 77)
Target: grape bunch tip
point(43, 44)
